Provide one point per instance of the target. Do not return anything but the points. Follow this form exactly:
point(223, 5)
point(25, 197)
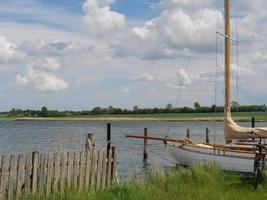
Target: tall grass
point(198, 182)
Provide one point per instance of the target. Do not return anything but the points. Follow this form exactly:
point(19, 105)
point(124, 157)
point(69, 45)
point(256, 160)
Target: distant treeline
point(45, 112)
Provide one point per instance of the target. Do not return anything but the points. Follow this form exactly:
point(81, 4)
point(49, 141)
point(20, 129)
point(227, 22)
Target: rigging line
point(188, 60)
point(142, 95)
point(237, 52)
point(216, 86)
point(180, 82)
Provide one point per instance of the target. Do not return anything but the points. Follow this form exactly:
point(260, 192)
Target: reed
point(198, 182)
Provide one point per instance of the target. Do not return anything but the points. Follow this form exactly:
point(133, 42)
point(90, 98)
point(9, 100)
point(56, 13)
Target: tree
point(196, 106)
point(44, 111)
point(135, 108)
point(97, 111)
point(110, 109)
point(169, 106)
point(234, 106)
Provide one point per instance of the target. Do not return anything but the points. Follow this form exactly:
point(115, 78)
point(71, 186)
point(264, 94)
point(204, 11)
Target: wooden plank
point(109, 165)
point(114, 166)
point(12, 174)
point(2, 177)
point(87, 168)
point(104, 170)
point(35, 161)
point(75, 168)
point(69, 168)
point(93, 167)
point(50, 163)
point(28, 168)
point(42, 172)
point(99, 169)
point(56, 171)
point(81, 171)
point(62, 171)
point(21, 171)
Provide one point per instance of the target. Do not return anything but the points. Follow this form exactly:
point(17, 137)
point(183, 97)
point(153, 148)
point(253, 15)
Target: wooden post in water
point(253, 122)
point(207, 136)
point(188, 136)
point(108, 136)
point(145, 146)
point(90, 142)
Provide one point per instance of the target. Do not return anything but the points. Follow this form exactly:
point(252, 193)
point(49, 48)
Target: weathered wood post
point(108, 137)
point(34, 178)
point(145, 146)
point(207, 136)
point(188, 136)
point(253, 122)
point(90, 142)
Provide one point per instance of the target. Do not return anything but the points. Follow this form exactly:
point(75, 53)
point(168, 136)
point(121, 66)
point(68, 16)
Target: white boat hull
point(227, 160)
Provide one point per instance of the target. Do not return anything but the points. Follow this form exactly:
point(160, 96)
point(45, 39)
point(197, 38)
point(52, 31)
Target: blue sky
point(79, 54)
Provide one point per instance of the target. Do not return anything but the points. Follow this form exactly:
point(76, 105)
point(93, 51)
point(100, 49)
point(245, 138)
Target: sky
point(79, 54)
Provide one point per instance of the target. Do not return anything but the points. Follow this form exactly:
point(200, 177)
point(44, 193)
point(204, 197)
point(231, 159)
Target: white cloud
point(8, 51)
point(183, 77)
point(46, 63)
point(100, 19)
point(173, 34)
point(40, 77)
point(125, 89)
point(52, 47)
point(144, 77)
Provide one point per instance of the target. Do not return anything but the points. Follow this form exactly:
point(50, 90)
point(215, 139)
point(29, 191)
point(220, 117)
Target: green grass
point(240, 116)
point(198, 182)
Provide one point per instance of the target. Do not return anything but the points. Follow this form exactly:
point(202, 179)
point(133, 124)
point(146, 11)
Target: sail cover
point(234, 131)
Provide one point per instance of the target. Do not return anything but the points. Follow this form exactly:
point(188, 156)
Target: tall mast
point(227, 56)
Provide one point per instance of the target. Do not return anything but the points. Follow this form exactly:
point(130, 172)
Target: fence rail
point(48, 172)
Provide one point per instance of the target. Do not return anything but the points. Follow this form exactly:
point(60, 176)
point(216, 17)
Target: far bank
point(179, 117)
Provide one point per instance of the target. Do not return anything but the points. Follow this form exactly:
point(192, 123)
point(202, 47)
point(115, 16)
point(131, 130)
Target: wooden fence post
point(108, 136)
point(21, 161)
point(90, 142)
point(104, 170)
point(99, 169)
point(253, 122)
point(207, 136)
point(188, 136)
point(35, 160)
point(75, 168)
point(2, 178)
point(62, 171)
point(28, 172)
point(114, 167)
point(81, 171)
point(11, 177)
point(50, 164)
point(145, 146)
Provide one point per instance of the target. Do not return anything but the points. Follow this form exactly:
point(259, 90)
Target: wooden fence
point(48, 172)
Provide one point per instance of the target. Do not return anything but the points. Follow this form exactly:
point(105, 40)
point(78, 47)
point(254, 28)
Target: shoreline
point(128, 119)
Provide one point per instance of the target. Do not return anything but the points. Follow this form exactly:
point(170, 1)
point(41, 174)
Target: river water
point(27, 136)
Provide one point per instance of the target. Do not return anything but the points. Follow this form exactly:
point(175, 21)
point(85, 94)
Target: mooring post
point(188, 134)
point(90, 142)
point(108, 137)
point(253, 122)
point(145, 145)
point(207, 136)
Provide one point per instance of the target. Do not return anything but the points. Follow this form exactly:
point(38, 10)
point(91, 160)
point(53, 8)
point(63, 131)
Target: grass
point(179, 117)
point(198, 182)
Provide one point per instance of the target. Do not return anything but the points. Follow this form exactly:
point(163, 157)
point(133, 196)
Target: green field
point(241, 116)
point(195, 183)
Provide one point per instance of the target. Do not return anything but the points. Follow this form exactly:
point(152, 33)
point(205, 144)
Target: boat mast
point(227, 57)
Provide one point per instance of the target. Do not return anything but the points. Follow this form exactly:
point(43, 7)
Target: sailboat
point(230, 156)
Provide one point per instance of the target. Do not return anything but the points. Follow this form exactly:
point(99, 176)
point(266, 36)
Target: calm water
point(22, 137)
